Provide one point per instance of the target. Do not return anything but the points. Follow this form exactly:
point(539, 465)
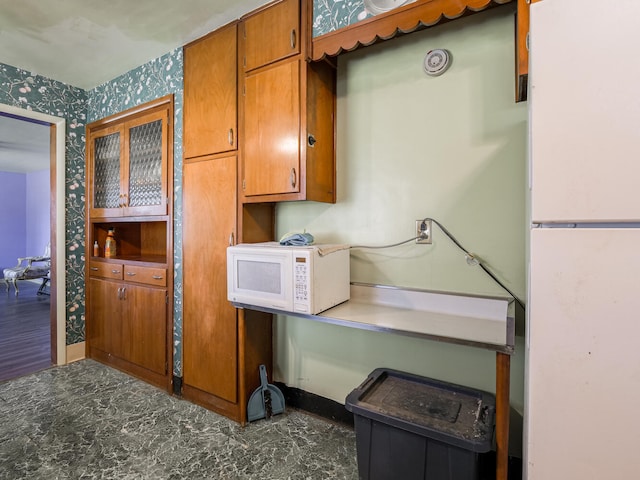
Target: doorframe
point(58, 223)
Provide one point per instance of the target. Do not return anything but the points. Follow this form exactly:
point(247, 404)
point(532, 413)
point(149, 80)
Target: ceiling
point(86, 43)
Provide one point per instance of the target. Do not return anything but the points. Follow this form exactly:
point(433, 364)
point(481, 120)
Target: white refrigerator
point(582, 378)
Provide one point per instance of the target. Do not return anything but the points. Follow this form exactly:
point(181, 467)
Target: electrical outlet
point(423, 230)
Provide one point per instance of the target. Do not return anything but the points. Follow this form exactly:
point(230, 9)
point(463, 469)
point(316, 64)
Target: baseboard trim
point(75, 352)
point(315, 404)
point(177, 386)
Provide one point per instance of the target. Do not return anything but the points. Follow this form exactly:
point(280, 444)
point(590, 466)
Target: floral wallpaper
point(24, 89)
point(152, 80)
point(330, 15)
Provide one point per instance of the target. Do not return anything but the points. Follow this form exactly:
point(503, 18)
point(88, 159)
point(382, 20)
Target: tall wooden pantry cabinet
point(258, 129)
point(222, 347)
point(128, 295)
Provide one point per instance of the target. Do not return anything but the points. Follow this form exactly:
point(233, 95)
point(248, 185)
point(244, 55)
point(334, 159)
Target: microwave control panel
point(301, 280)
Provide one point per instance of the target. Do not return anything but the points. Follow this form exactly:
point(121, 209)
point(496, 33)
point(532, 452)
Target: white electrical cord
point(386, 246)
point(471, 259)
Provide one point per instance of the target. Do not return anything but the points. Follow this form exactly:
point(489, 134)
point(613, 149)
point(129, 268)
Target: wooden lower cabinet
point(105, 332)
point(145, 327)
point(222, 347)
point(128, 329)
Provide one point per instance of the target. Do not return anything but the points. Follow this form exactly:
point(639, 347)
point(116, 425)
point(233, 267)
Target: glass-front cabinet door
point(128, 168)
point(145, 175)
point(107, 151)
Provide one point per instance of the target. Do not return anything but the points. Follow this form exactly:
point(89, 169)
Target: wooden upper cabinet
point(128, 166)
point(272, 126)
point(271, 34)
point(287, 110)
point(210, 94)
point(288, 143)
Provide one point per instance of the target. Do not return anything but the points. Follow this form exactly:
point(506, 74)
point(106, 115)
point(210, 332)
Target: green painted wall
point(411, 146)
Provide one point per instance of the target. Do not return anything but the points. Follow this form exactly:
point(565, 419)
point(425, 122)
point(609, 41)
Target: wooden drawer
point(106, 270)
point(147, 275)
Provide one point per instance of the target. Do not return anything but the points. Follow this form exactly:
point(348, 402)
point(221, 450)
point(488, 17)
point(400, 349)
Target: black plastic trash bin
point(411, 427)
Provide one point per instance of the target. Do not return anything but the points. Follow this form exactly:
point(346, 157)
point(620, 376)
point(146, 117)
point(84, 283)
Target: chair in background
point(29, 268)
point(45, 286)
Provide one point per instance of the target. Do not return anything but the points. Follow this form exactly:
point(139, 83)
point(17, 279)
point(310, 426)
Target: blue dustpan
point(266, 400)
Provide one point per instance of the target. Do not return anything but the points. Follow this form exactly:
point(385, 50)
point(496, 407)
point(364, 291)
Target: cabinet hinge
point(166, 367)
point(244, 184)
point(166, 299)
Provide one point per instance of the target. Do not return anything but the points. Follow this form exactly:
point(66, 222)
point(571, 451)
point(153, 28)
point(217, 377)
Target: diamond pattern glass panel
point(145, 164)
point(107, 172)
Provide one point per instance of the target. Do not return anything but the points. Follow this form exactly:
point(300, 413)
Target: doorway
point(57, 226)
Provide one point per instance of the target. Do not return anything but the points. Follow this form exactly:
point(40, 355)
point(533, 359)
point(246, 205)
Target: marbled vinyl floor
point(88, 421)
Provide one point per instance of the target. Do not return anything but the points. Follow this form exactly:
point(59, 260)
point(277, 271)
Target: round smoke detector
point(436, 62)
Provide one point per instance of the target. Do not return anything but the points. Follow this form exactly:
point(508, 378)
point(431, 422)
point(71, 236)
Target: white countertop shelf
point(477, 321)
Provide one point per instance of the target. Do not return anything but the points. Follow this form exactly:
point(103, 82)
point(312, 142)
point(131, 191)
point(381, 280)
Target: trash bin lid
point(450, 413)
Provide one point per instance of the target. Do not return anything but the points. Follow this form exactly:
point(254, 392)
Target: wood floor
point(25, 331)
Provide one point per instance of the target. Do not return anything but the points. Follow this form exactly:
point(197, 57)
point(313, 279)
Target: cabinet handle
point(157, 277)
point(293, 177)
point(231, 239)
point(293, 39)
point(131, 274)
point(231, 137)
point(93, 269)
point(115, 271)
point(124, 293)
point(120, 294)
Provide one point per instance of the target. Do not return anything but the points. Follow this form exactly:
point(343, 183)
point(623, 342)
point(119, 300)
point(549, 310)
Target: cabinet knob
point(311, 140)
point(293, 39)
point(231, 137)
point(293, 178)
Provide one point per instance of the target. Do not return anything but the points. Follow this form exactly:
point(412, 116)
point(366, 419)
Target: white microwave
point(305, 279)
